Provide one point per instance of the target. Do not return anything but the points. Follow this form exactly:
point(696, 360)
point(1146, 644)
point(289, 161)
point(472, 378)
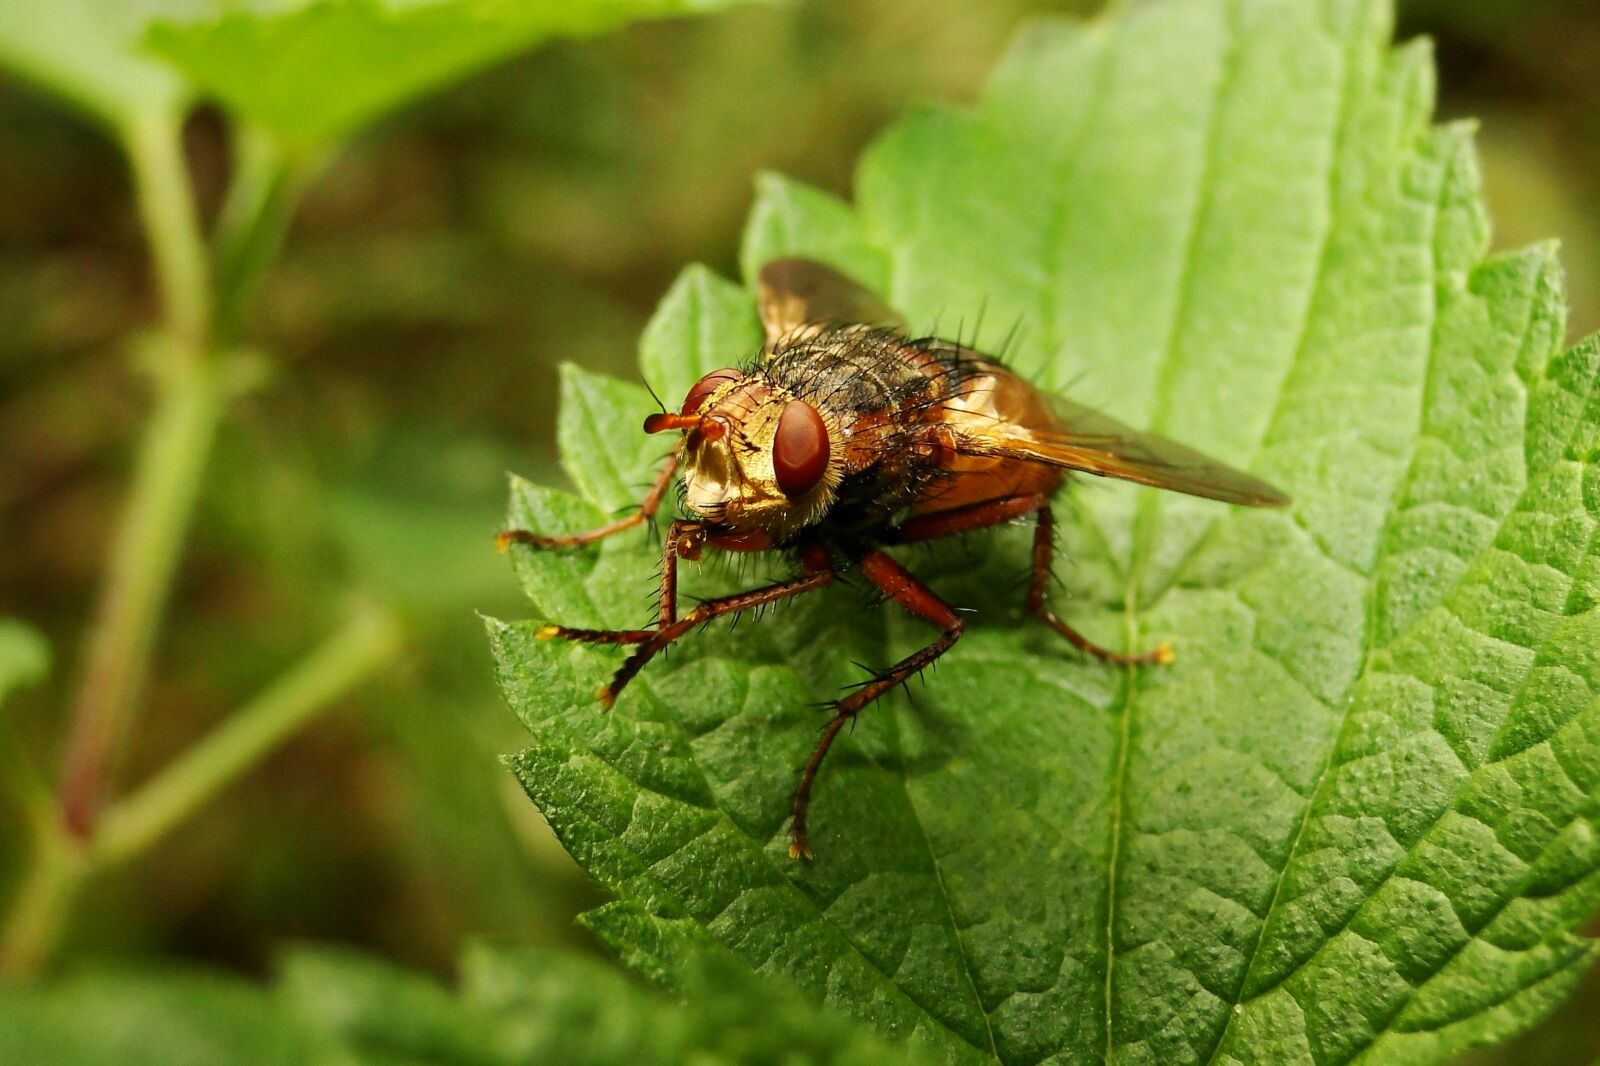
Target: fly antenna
point(653, 395)
point(710, 428)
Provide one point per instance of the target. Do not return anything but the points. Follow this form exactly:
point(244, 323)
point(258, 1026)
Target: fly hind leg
point(1003, 509)
point(898, 584)
point(1043, 555)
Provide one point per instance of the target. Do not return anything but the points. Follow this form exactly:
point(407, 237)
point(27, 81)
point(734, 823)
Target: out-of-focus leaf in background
point(160, 1016)
point(311, 71)
point(513, 1006)
point(92, 52)
point(24, 656)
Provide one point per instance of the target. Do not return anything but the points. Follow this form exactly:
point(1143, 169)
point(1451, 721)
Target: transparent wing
point(1058, 432)
point(800, 298)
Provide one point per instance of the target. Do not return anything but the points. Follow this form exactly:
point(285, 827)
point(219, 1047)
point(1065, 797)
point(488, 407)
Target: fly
point(844, 437)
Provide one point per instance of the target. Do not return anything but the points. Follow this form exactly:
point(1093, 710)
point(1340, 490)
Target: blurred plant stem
point(167, 473)
point(62, 862)
point(368, 639)
point(56, 869)
point(266, 185)
point(194, 375)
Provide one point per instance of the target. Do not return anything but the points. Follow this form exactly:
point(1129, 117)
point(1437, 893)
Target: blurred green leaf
point(91, 51)
point(339, 1007)
point(313, 71)
point(1356, 818)
point(152, 1017)
point(24, 656)
point(531, 1006)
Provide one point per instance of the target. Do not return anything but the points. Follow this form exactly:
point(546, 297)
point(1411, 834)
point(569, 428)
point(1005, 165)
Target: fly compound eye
point(799, 449)
point(702, 389)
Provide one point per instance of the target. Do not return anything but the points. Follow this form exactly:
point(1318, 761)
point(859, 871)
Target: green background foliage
point(340, 1007)
point(404, 338)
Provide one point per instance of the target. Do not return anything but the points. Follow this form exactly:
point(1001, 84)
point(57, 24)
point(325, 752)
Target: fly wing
point(1066, 434)
point(801, 298)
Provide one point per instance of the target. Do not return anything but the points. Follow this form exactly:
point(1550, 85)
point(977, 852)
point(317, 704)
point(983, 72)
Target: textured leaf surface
point(1355, 820)
point(341, 1008)
point(313, 70)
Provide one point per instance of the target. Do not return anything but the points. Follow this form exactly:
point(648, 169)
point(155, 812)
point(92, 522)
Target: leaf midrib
point(1149, 503)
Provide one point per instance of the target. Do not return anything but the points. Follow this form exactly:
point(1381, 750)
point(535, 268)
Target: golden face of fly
point(755, 457)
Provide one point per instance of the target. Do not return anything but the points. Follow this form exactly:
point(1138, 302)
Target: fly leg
point(647, 510)
point(1004, 508)
point(819, 573)
point(894, 581)
point(684, 540)
point(1044, 542)
point(687, 539)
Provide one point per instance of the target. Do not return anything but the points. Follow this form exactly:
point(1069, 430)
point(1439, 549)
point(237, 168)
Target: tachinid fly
point(845, 437)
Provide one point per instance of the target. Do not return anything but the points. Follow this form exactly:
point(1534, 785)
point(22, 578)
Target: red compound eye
point(703, 389)
point(800, 449)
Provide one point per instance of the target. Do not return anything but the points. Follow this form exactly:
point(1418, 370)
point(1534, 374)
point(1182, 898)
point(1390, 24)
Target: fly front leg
point(897, 583)
point(688, 540)
point(647, 510)
point(685, 540)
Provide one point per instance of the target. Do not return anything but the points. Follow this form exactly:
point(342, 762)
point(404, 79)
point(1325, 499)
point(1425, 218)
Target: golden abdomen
point(989, 400)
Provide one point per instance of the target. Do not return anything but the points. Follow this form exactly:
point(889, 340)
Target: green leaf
point(339, 1007)
point(90, 51)
point(312, 71)
point(1356, 818)
point(24, 657)
point(534, 1006)
point(151, 1017)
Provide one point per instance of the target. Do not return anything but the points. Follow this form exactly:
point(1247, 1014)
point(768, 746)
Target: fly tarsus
point(594, 636)
point(504, 539)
